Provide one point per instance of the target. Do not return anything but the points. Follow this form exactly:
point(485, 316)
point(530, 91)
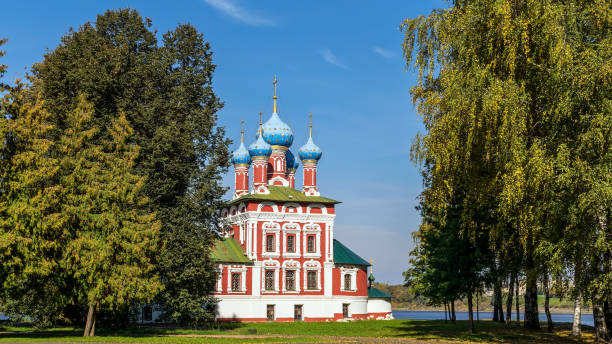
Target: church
point(278, 259)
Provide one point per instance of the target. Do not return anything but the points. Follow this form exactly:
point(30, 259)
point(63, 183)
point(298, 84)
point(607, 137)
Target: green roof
point(342, 255)
point(375, 293)
point(229, 251)
point(284, 194)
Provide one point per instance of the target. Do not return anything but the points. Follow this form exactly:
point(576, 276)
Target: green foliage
point(74, 226)
point(515, 100)
point(165, 91)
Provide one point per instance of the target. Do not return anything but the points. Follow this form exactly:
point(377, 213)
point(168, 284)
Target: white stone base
point(314, 308)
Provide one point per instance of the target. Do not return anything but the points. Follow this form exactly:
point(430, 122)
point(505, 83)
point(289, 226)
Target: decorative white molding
point(353, 273)
point(291, 228)
point(270, 264)
point(270, 228)
point(284, 182)
point(242, 270)
point(292, 265)
point(317, 205)
point(298, 208)
point(312, 265)
point(312, 229)
point(271, 204)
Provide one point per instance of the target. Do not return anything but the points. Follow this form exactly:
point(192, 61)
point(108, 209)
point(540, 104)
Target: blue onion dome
point(310, 151)
point(260, 148)
point(290, 160)
point(241, 156)
point(276, 132)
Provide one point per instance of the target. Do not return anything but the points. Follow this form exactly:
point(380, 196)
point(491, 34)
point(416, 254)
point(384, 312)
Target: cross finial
point(371, 266)
point(260, 122)
point(242, 131)
point(274, 84)
point(310, 124)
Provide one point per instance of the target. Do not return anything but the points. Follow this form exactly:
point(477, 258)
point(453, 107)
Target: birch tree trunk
point(518, 310)
point(470, 312)
point(509, 300)
point(445, 311)
point(576, 325)
point(531, 301)
point(549, 322)
point(599, 320)
point(531, 292)
point(477, 310)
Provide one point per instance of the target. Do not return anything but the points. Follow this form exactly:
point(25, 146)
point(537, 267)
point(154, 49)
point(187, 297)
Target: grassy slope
point(487, 332)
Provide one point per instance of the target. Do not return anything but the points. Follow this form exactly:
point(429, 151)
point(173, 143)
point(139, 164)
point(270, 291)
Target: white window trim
point(353, 273)
point(312, 265)
point(287, 229)
point(219, 278)
point(310, 229)
point(270, 228)
point(241, 269)
point(270, 265)
point(293, 266)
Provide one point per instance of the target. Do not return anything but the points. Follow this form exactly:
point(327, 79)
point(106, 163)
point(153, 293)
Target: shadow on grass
point(485, 331)
point(28, 332)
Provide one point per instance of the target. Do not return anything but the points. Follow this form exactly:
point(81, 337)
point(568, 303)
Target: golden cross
point(242, 131)
point(274, 83)
point(310, 124)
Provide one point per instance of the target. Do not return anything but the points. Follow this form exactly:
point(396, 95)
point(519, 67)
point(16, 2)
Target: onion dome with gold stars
point(310, 151)
point(260, 148)
point(275, 131)
point(241, 155)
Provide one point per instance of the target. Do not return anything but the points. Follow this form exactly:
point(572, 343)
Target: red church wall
point(224, 281)
point(361, 280)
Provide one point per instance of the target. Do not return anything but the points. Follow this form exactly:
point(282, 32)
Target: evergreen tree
point(165, 91)
point(33, 230)
point(114, 240)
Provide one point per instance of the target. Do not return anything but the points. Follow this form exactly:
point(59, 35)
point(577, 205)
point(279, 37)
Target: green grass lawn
point(422, 330)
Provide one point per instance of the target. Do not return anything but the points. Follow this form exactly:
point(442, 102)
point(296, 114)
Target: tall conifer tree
point(165, 91)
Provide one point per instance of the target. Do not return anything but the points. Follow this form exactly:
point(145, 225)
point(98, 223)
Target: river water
point(587, 319)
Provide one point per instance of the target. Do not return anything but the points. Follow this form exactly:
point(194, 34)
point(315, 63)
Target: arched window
point(311, 280)
point(290, 280)
point(310, 243)
point(235, 282)
point(278, 165)
point(347, 282)
point(270, 243)
point(290, 243)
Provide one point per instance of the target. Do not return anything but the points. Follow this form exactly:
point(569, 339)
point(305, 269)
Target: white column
point(256, 278)
point(327, 273)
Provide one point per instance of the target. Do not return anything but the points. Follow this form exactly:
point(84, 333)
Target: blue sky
point(340, 60)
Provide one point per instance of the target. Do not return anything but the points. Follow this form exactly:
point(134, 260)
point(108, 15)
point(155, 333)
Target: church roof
point(375, 293)
point(227, 250)
point(284, 194)
point(343, 255)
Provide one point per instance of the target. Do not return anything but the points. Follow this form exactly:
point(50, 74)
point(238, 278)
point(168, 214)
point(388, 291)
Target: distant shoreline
point(459, 309)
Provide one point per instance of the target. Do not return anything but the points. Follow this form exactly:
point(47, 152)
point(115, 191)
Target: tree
point(110, 254)
point(514, 103)
point(32, 228)
point(165, 91)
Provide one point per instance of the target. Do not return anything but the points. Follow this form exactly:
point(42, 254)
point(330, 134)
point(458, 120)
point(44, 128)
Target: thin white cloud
point(230, 8)
point(330, 58)
point(383, 52)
